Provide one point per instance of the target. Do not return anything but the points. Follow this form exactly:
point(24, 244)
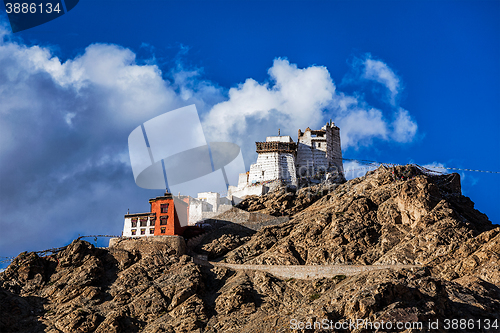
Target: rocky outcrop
point(282, 202)
point(84, 289)
point(478, 257)
point(228, 230)
point(398, 215)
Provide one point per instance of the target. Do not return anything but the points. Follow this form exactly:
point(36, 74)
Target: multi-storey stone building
point(276, 160)
point(280, 160)
point(319, 151)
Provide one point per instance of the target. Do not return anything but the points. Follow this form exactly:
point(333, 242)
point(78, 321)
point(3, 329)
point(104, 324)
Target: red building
point(170, 214)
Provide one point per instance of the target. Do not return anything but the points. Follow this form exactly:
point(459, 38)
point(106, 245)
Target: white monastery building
point(315, 156)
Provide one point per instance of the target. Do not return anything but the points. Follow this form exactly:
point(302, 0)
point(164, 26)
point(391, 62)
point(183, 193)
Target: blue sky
point(406, 81)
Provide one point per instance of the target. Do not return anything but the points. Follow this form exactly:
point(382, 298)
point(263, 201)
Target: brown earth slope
point(379, 218)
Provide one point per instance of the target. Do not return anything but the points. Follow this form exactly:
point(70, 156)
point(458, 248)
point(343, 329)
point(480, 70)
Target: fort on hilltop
point(315, 157)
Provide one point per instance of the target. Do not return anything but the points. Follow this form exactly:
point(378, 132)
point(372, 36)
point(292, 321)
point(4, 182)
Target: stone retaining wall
point(150, 244)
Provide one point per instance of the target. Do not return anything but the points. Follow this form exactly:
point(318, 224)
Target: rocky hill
point(391, 215)
point(397, 215)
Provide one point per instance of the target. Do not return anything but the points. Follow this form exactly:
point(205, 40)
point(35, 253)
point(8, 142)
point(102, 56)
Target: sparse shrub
point(313, 297)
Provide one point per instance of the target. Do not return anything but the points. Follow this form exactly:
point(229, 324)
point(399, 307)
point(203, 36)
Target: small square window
point(134, 224)
point(134, 231)
point(143, 231)
point(164, 208)
point(152, 222)
point(162, 229)
point(163, 220)
point(144, 221)
point(151, 231)
point(319, 144)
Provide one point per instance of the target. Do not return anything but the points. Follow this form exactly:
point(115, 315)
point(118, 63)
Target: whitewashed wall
point(271, 166)
point(127, 227)
point(319, 151)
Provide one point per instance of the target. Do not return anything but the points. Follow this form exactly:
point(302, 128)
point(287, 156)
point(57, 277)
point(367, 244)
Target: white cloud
point(4, 31)
point(404, 127)
point(360, 126)
point(63, 138)
point(400, 128)
point(294, 98)
point(378, 71)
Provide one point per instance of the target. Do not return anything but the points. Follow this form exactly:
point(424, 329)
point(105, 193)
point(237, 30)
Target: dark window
point(163, 220)
point(144, 221)
point(134, 223)
point(151, 231)
point(162, 229)
point(152, 221)
point(164, 208)
point(319, 144)
point(143, 231)
point(133, 232)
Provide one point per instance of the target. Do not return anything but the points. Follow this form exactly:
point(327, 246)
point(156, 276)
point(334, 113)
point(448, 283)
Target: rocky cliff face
point(397, 215)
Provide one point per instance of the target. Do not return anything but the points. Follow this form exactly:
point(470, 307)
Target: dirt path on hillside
point(305, 271)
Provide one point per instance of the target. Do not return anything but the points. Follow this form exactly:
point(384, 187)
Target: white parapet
point(280, 138)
